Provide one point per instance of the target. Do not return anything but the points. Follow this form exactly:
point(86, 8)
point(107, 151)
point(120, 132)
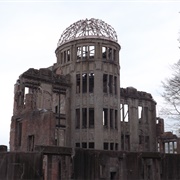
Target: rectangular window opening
point(116, 146)
point(106, 146)
point(126, 113)
point(68, 55)
point(105, 117)
point(77, 122)
point(111, 119)
point(110, 54)
point(105, 80)
point(122, 142)
point(78, 145)
point(31, 143)
point(85, 52)
point(78, 83)
point(116, 120)
point(111, 146)
point(91, 117)
point(139, 112)
point(26, 91)
point(84, 83)
point(91, 52)
point(84, 145)
point(84, 117)
point(122, 112)
point(91, 145)
point(115, 85)
point(110, 84)
point(56, 109)
point(91, 82)
point(79, 53)
point(104, 53)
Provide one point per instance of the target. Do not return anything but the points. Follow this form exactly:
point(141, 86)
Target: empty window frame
point(91, 82)
point(111, 146)
point(84, 82)
point(115, 85)
point(84, 145)
point(110, 84)
point(78, 83)
point(77, 145)
point(91, 145)
point(91, 52)
point(111, 119)
point(91, 117)
point(85, 52)
point(26, 91)
point(116, 146)
point(77, 120)
point(106, 146)
point(124, 112)
point(121, 112)
point(31, 143)
point(56, 109)
point(104, 52)
point(84, 117)
point(105, 117)
point(109, 53)
point(79, 53)
point(116, 120)
point(105, 81)
point(68, 55)
point(139, 112)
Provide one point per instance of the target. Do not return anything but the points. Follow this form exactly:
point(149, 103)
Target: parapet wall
point(131, 92)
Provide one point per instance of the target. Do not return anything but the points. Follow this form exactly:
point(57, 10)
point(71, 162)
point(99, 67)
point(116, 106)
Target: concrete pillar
point(49, 167)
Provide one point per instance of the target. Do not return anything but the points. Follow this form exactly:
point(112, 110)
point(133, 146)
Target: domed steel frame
point(88, 28)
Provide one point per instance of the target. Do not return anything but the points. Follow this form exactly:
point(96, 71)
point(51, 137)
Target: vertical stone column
point(49, 167)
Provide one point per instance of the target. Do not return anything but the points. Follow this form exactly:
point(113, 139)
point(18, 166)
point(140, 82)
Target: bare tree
point(171, 93)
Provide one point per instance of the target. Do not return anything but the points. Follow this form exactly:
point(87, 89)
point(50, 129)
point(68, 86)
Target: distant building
point(78, 103)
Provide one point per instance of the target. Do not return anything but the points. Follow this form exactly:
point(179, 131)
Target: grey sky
point(29, 32)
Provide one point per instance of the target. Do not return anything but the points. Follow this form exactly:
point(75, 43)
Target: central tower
point(88, 51)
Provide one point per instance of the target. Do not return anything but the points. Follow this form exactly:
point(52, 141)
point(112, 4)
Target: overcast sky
point(29, 31)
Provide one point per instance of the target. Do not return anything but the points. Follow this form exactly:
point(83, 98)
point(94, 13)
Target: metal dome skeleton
point(88, 28)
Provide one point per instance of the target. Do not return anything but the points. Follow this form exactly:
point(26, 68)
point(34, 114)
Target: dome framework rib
point(88, 28)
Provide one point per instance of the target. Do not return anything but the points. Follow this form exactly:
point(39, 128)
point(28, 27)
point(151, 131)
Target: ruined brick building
point(76, 114)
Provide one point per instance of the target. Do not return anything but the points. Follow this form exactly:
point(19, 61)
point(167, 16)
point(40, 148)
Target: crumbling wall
point(32, 128)
point(20, 165)
point(40, 107)
point(106, 165)
point(138, 120)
